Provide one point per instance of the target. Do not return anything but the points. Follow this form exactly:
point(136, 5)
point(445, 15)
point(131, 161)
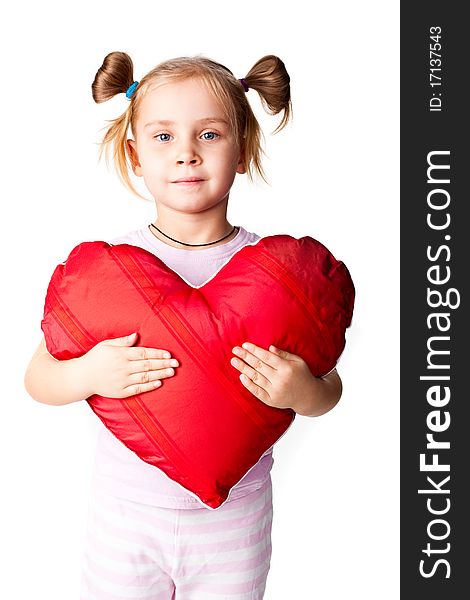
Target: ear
point(241, 162)
point(134, 157)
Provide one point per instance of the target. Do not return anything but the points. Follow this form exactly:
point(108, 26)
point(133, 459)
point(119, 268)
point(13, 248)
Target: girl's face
point(184, 147)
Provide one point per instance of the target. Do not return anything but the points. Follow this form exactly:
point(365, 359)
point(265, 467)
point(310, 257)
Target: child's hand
point(117, 370)
point(284, 380)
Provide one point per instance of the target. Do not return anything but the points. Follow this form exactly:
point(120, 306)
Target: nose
point(187, 154)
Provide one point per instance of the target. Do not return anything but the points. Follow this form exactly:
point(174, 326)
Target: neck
point(198, 239)
point(199, 227)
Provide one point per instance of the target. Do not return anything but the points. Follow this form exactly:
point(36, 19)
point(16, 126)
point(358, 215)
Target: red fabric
point(202, 427)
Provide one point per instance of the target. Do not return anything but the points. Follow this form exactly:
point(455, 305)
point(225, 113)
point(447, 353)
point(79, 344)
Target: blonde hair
point(268, 77)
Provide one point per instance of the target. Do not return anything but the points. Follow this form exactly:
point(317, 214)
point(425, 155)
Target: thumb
point(126, 340)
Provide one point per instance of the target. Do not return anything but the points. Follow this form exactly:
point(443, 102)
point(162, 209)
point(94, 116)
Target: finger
point(255, 389)
point(121, 341)
point(257, 376)
point(270, 358)
point(144, 377)
point(151, 365)
point(140, 388)
point(258, 358)
point(142, 353)
point(283, 353)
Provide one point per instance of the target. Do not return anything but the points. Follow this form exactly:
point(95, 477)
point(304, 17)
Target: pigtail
point(271, 80)
point(113, 77)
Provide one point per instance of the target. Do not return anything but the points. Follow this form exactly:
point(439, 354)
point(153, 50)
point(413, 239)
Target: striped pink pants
point(140, 552)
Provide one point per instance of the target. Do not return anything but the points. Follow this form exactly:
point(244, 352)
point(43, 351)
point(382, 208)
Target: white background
point(334, 176)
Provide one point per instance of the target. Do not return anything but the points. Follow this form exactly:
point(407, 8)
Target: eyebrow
point(205, 120)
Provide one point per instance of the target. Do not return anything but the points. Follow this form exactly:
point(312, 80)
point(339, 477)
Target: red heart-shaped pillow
point(203, 428)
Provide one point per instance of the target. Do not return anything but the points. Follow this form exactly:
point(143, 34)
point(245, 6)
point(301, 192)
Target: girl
point(192, 131)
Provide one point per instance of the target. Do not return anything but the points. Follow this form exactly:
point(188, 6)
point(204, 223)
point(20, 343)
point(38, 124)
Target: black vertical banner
point(435, 332)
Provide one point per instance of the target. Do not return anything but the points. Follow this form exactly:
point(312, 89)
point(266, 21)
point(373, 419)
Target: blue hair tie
point(131, 90)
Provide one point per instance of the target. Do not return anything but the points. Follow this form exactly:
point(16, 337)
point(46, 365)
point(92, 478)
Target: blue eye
point(159, 136)
point(212, 133)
